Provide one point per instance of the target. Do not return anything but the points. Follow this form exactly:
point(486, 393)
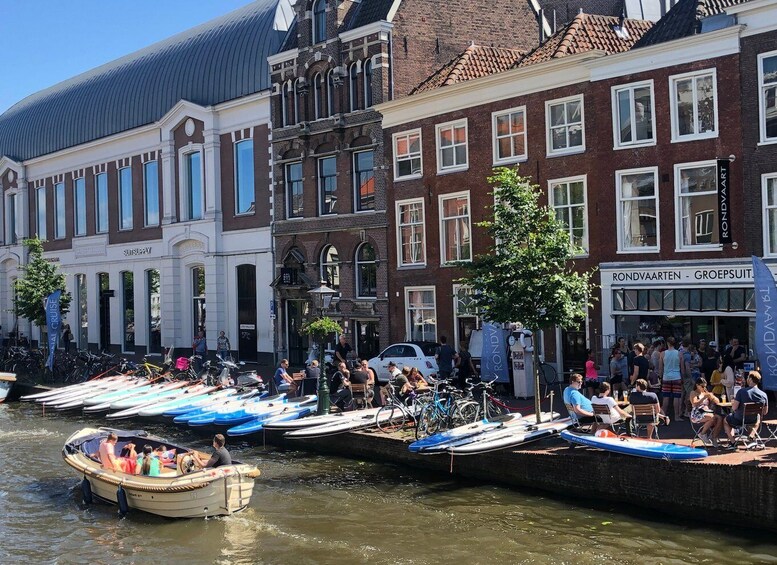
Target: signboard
point(766, 323)
point(724, 201)
point(287, 276)
point(493, 360)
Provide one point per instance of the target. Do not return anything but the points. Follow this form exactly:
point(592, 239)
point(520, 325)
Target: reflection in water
point(312, 509)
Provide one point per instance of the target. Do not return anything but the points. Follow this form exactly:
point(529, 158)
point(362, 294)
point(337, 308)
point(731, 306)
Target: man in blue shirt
point(445, 355)
point(745, 395)
point(282, 379)
point(582, 410)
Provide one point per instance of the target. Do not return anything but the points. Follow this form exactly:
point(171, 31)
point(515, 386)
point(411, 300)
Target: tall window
point(198, 299)
point(410, 233)
point(637, 210)
point(452, 153)
point(40, 224)
point(154, 309)
point(193, 193)
point(568, 199)
point(364, 181)
point(319, 21)
point(696, 191)
point(455, 232)
point(769, 186)
point(299, 100)
point(633, 114)
point(366, 272)
point(330, 93)
point(10, 219)
point(125, 198)
point(330, 267)
point(79, 206)
point(353, 89)
point(694, 107)
point(767, 79)
point(128, 310)
point(151, 192)
point(319, 96)
point(59, 210)
point(81, 331)
point(368, 83)
point(244, 177)
point(294, 190)
point(288, 104)
point(421, 313)
point(565, 126)
point(327, 185)
point(509, 131)
point(101, 202)
point(407, 155)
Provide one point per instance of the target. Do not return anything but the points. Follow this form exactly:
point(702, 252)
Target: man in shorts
point(580, 408)
point(745, 395)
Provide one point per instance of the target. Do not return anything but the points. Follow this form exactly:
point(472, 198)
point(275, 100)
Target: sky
point(44, 42)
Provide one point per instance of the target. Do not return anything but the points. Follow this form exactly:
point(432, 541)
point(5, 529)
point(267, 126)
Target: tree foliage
point(528, 274)
point(40, 278)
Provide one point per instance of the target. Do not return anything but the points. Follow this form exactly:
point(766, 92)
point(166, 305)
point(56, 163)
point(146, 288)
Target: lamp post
point(321, 297)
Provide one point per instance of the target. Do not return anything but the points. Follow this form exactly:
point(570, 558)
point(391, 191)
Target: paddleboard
point(509, 437)
point(638, 447)
point(258, 424)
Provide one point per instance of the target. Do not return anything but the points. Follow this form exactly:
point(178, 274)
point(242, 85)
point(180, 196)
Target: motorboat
point(6, 384)
point(181, 491)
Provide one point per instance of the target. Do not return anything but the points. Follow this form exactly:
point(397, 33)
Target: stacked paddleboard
point(638, 447)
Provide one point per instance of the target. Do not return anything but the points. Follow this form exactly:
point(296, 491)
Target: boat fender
point(121, 498)
point(86, 491)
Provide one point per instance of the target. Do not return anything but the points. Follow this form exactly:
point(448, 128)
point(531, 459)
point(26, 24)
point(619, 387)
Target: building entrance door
point(296, 313)
point(367, 339)
point(246, 312)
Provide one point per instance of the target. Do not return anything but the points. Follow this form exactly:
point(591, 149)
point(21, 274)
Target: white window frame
point(495, 137)
point(410, 156)
point(408, 324)
point(453, 125)
point(353, 86)
point(622, 249)
point(183, 180)
point(319, 35)
point(319, 96)
point(765, 178)
point(97, 228)
point(132, 207)
point(398, 207)
point(145, 197)
point(567, 181)
point(64, 211)
point(357, 271)
point(355, 186)
point(549, 138)
point(11, 212)
point(235, 173)
point(616, 134)
point(41, 230)
point(761, 101)
point(440, 199)
point(678, 208)
point(287, 193)
point(674, 114)
point(76, 226)
point(323, 264)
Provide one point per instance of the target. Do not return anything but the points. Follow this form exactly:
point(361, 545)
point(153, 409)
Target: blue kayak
point(257, 425)
point(638, 447)
point(197, 412)
point(251, 410)
point(458, 432)
point(263, 406)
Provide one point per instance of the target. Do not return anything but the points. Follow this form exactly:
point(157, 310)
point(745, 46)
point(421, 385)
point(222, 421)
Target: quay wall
point(699, 491)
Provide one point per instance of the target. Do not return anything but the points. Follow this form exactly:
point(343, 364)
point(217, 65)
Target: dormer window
point(319, 21)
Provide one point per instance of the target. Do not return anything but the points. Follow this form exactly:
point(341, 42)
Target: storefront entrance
point(367, 338)
point(246, 312)
point(296, 313)
point(646, 328)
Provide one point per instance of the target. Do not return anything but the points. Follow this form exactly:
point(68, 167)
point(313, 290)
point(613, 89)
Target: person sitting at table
point(617, 414)
point(702, 402)
point(416, 380)
point(361, 375)
point(312, 373)
point(581, 409)
point(340, 377)
point(641, 396)
point(148, 462)
point(745, 395)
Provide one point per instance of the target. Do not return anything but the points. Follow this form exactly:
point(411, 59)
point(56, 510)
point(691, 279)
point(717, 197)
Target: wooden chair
point(748, 432)
point(296, 385)
point(604, 418)
point(644, 415)
point(576, 419)
point(361, 395)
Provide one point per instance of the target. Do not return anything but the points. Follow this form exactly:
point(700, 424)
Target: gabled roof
point(477, 61)
point(220, 60)
point(684, 19)
point(588, 32)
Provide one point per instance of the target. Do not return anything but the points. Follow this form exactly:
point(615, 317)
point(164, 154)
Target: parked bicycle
point(443, 408)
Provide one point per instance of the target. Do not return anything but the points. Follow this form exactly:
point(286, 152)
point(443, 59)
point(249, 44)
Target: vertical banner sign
point(724, 201)
point(53, 322)
point(493, 361)
point(765, 323)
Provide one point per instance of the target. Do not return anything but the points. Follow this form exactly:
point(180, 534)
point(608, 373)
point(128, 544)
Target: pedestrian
point(222, 346)
point(342, 349)
point(67, 337)
point(445, 356)
point(465, 366)
point(200, 348)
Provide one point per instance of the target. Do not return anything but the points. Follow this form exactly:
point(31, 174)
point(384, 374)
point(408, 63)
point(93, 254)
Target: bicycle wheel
point(465, 412)
point(391, 418)
point(428, 422)
point(495, 409)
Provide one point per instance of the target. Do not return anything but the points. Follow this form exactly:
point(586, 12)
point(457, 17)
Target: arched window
point(330, 93)
point(319, 21)
point(299, 100)
point(319, 102)
point(368, 83)
point(330, 267)
point(287, 103)
point(366, 272)
point(353, 75)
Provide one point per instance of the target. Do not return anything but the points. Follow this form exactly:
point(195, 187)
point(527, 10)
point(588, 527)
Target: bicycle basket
point(182, 364)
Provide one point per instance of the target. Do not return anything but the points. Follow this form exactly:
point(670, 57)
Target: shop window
point(750, 299)
point(682, 299)
point(736, 297)
point(767, 79)
point(668, 300)
point(81, 331)
point(633, 115)
point(694, 107)
point(723, 303)
point(407, 155)
point(198, 299)
point(154, 308)
point(696, 191)
point(656, 300)
point(565, 126)
point(79, 206)
point(509, 135)
point(128, 311)
point(709, 299)
point(695, 300)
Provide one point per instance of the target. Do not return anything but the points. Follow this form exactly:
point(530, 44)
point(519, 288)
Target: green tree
point(528, 275)
point(40, 279)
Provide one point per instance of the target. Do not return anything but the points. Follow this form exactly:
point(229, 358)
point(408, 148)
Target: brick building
point(622, 125)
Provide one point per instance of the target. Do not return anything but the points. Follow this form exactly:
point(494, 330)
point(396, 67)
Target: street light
point(322, 299)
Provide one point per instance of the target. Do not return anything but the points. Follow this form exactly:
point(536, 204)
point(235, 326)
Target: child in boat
point(148, 463)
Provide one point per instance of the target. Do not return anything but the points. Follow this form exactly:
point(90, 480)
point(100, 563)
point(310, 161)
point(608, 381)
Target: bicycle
point(444, 408)
point(395, 413)
point(490, 406)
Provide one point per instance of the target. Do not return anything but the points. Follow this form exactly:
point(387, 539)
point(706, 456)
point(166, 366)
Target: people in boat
point(148, 463)
point(128, 457)
point(703, 403)
point(580, 408)
point(220, 454)
point(617, 414)
point(745, 395)
point(107, 454)
point(165, 456)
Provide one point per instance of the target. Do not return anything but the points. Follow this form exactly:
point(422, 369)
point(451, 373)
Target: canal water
point(309, 508)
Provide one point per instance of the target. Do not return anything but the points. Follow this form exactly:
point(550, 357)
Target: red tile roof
point(588, 32)
point(477, 61)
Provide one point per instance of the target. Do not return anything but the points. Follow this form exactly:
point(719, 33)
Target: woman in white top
point(616, 413)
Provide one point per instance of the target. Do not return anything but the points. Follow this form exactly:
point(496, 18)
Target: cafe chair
point(575, 419)
point(770, 426)
point(644, 415)
point(361, 396)
point(296, 385)
point(748, 432)
point(604, 418)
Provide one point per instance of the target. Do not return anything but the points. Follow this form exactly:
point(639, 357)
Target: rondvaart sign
point(724, 201)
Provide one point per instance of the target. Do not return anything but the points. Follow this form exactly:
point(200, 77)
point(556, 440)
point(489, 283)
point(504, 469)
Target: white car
point(408, 354)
